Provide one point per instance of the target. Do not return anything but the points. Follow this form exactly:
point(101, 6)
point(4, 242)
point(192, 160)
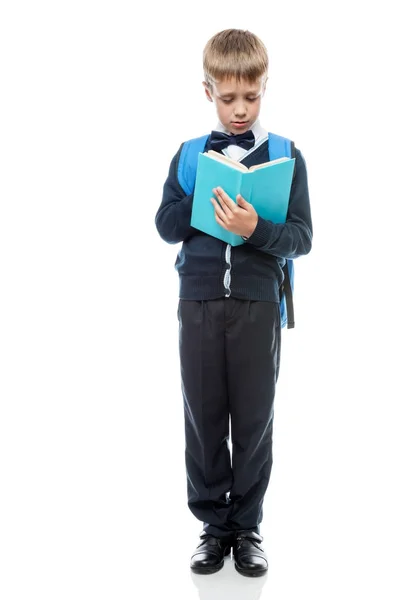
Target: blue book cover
point(267, 187)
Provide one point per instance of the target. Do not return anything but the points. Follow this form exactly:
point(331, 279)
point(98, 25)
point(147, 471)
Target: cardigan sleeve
point(174, 214)
point(294, 237)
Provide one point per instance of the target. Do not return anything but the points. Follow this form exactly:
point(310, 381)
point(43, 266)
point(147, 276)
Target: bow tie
point(219, 140)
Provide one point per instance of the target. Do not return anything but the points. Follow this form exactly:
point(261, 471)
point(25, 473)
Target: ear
point(208, 91)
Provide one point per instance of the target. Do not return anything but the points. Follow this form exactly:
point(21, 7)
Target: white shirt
point(238, 153)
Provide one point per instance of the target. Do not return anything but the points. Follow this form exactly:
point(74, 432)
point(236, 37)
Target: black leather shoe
point(250, 559)
point(210, 553)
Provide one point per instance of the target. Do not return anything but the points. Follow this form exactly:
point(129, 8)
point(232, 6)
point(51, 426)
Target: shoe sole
point(211, 570)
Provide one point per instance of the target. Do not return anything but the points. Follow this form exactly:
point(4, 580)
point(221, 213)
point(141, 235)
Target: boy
point(229, 316)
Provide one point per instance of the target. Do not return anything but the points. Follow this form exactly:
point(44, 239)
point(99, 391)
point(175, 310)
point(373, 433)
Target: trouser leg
point(253, 340)
point(206, 412)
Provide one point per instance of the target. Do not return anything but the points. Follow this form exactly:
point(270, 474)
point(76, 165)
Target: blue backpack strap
point(278, 147)
point(286, 291)
point(187, 165)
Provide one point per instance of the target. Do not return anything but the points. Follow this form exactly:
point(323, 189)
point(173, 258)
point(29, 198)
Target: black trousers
point(229, 354)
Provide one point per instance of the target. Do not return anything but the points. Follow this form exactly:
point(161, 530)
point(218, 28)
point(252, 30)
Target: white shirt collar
point(238, 153)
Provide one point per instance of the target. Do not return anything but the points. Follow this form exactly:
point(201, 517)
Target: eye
point(226, 101)
point(251, 99)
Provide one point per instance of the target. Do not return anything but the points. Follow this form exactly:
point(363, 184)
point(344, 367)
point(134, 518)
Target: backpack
point(278, 147)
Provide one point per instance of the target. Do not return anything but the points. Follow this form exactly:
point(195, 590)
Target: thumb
point(241, 201)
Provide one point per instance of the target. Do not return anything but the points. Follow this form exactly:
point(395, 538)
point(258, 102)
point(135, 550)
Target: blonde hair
point(234, 53)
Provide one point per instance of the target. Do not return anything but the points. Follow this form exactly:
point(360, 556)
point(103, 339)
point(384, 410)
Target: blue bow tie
point(219, 141)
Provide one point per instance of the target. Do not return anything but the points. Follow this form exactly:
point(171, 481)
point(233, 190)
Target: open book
point(266, 186)
point(240, 166)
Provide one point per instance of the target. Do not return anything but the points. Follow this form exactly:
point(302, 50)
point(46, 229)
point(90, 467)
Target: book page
point(269, 164)
point(226, 160)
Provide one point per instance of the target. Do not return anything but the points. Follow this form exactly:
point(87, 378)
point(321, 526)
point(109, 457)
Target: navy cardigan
point(209, 268)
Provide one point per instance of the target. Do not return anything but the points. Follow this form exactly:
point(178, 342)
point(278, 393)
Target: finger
point(218, 210)
point(245, 206)
point(242, 203)
point(223, 197)
point(220, 222)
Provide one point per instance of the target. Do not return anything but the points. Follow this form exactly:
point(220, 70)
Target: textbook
point(266, 186)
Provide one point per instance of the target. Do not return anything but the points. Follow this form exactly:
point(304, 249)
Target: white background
point(96, 98)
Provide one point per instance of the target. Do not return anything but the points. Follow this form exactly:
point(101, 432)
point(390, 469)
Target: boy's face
point(238, 103)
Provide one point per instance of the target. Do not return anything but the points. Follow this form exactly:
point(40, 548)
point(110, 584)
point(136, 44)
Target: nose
point(240, 109)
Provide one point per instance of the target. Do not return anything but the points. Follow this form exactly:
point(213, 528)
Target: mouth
point(239, 123)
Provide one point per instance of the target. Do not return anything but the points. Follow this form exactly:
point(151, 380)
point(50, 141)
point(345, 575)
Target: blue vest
point(278, 147)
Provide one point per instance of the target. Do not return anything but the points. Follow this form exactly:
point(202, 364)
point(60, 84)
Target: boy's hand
point(240, 218)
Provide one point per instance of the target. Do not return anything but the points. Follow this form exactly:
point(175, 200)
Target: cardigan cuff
point(261, 234)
